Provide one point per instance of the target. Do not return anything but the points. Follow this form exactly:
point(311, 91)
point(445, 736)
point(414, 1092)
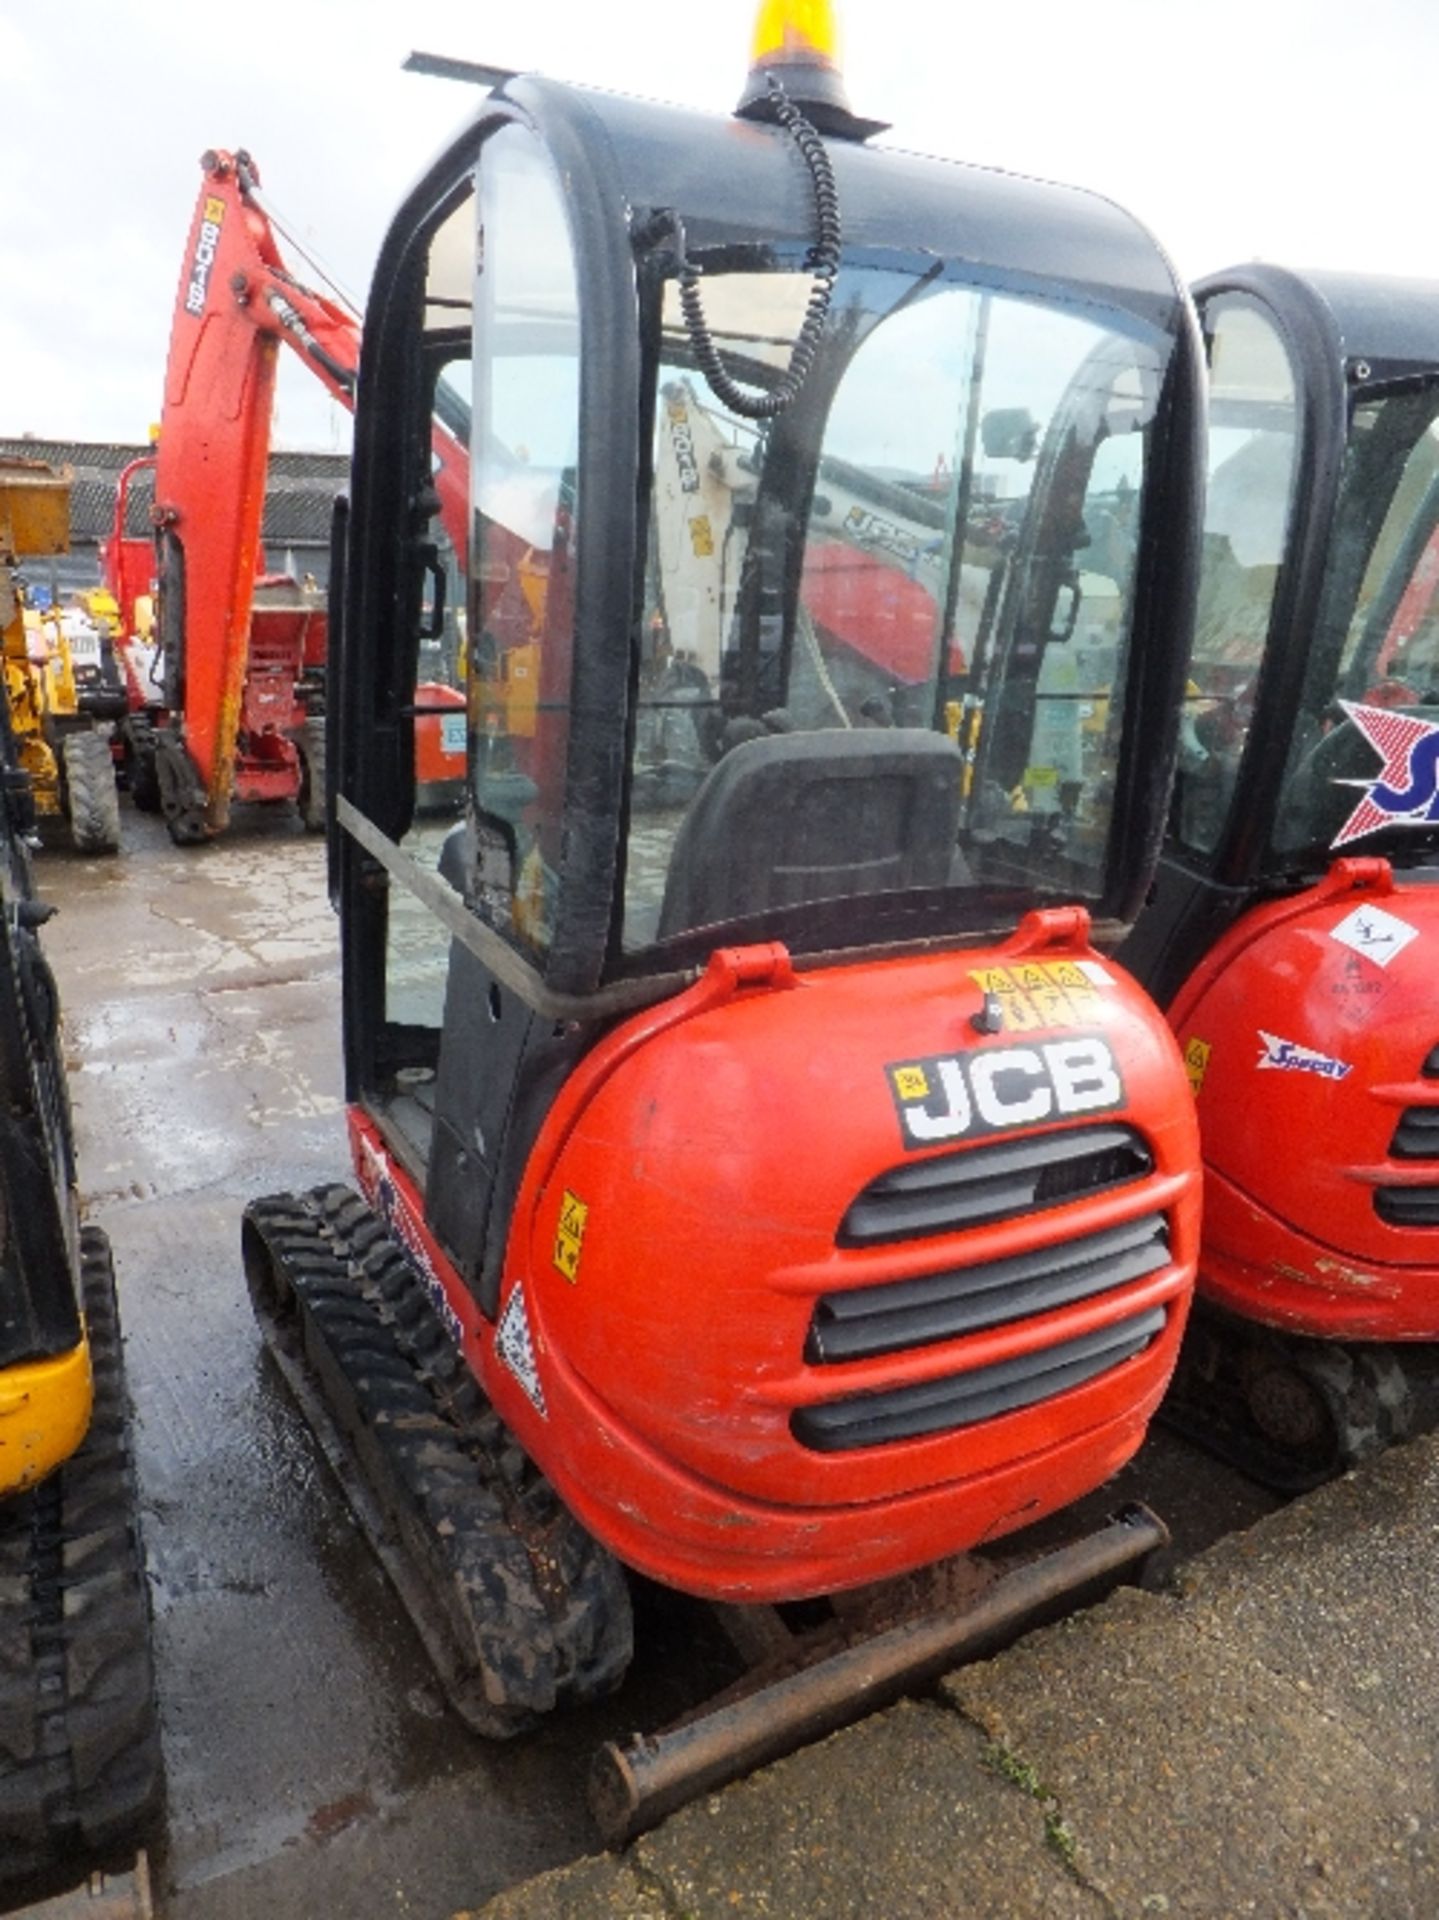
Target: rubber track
point(80, 1769)
point(519, 1608)
point(1206, 1401)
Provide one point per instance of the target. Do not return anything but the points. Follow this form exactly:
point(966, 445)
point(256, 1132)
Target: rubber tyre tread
point(80, 1762)
point(93, 798)
point(311, 797)
point(139, 741)
point(541, 1632)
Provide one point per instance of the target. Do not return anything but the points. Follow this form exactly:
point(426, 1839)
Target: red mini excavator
point(1294, 924)
point(238, 713)
point(766, 1181)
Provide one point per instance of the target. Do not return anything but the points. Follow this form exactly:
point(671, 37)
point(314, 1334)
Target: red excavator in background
point(235, 707)
point(1294, 924)
point(766, 1182)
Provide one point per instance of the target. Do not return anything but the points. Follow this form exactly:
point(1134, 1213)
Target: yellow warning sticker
point(214, 209)
point(569, 1235)
point(1038, 994)
point(911, 1083)
point(701, 536)
point(1196, 1061)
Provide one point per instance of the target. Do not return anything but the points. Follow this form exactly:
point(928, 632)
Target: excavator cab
point(1296, 905)
point(760, 1126)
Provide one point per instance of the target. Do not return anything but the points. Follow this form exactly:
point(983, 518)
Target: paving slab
point(1262, 1740)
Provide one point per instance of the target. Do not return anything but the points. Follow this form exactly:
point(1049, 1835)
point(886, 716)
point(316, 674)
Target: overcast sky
point(1302, 131)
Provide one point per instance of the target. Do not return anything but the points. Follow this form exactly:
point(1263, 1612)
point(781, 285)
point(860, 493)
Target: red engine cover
point(685, 1212)
point(1306, 1031)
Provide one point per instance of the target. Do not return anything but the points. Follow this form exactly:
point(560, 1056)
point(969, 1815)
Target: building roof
point(298, 498)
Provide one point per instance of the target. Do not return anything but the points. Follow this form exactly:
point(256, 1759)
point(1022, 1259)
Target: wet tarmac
point(312, 1767)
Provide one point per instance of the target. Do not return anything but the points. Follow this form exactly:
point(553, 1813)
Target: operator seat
point(798, 817)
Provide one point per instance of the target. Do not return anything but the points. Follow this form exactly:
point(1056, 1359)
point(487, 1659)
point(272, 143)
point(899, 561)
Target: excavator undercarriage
point(519, 1609)
point(80, 1767)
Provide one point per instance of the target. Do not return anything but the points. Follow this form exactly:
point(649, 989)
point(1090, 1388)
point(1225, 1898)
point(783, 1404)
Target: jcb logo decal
point(961, 1096)
point(203, 262)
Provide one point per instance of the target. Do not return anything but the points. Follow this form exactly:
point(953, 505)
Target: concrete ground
point(1261, 1741)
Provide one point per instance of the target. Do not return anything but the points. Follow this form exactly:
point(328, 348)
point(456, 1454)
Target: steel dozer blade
point(634, 1786)
point(80, 1769)
point(517, 1606)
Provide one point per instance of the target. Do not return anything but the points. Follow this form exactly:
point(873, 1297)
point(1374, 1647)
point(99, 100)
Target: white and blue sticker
point(515, 1347)
point(1405, 791)
point(1289, 1057)
point(1378, 935)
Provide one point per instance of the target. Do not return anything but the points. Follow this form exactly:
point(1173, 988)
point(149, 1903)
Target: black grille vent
point(965, 1399)
point(1408, 1206)
point(1430, 1068)
point(1417, 1135)
point(993, 1183)
point(864, 1321)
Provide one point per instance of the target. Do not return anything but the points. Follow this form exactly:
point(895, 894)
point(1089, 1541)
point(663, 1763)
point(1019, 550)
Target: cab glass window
point(1376, 640)
point(524, 446)
point(883, 634)
point(1253, 437)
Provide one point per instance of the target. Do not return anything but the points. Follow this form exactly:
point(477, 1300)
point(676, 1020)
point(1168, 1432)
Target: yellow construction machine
point(60, 682)
point(79, 1747)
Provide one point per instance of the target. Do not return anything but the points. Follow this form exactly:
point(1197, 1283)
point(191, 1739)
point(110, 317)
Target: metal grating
point(864, 1321)
point(976, 1184)
point(965, 1399)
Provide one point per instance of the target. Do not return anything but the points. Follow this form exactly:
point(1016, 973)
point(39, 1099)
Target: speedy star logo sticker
point(1405, 791)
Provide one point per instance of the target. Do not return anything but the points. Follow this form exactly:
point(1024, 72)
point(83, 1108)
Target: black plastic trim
point(1417, 1135)
point(966, 1399)
point(1407, 1206)
point(977, 1184)
point(902, 1314)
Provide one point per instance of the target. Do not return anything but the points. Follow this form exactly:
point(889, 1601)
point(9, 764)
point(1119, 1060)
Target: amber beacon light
point(796, 43)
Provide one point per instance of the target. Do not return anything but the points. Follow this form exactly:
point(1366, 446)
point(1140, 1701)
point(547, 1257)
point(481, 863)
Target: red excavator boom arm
point(236, 302)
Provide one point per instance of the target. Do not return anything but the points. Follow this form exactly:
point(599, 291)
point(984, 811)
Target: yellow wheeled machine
point(61, 684)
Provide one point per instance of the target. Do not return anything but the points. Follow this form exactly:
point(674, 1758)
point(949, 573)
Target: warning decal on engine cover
point(570, 1235)
point(515, 1348)
point(1378, 935)
point(1196, 1062)
point(962, 1096)
point(1034, 994)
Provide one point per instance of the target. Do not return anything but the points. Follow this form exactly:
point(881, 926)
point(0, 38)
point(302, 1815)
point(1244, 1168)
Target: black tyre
point(140, 764)
point(182, 798)
point(93, 801)
point(311, 799)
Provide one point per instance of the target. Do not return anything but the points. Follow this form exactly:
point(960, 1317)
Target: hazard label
point(570, 1235)
point(1037, 994)
point(516, 1349)
point(1196, 1061)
